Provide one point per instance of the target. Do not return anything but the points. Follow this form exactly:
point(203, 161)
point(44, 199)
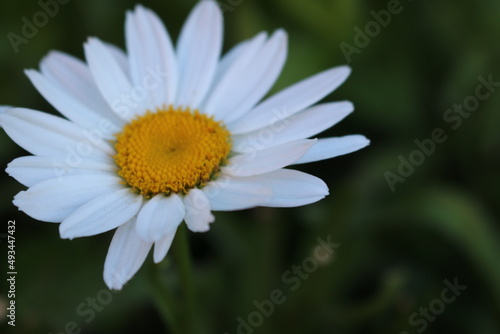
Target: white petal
point(269, 159)
point(159, 216)
point(126, 255)
point(236, 193)
point(198, 52)
point(66, 83)
point(126, 101)
point(291, 100)
point(101, 214)
point(328, 148)
point(55, 199)
point(162, 246)
point(46, 135)
point(303, 125)
point(239, 83)
point(291, 188)
point(228, 59)
point(4, 109)
point(120, 57)
point(71, 108)
point(153, 63)
point(228, 67)
point(250, 82)
point(31, 170)
point(73, 76)
point(198, 212)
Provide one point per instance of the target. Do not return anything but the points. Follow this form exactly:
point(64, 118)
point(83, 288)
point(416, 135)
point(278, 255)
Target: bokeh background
point(397, 247)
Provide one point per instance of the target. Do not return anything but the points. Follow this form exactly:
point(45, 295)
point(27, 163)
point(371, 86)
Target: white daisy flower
point(160, 135)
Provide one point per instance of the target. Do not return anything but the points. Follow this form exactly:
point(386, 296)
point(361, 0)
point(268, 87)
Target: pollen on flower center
point(171, 151)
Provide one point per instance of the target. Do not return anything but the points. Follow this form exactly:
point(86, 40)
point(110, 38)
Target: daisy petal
point(236, 193)
point(46, 135)
point(252, 81)
point(119, 55)
point(69, 107)
point(55, 199)
point(266, 160)
point(101, 214)
point(67, 84)
point(198, 212)
point(126, 255)
point(31, 170)
point(112, 81)
point(72, 75)
point(305, 124)
point(159, 216)
point(328, 148)
point(250, 76)
point(4, 109)
point(291, 188)
point(291, 100)
point(162, 246)
point(228, 70)
point(228, 59)
point(198, 51)
point(152, 59)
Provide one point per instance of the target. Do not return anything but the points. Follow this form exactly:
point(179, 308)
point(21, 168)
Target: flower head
point(160, 135)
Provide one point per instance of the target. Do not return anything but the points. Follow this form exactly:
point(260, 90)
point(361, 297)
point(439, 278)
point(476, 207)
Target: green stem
point(163, 299)
point(182, 259)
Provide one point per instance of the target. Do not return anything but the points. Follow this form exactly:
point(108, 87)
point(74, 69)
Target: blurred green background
point(397, 246)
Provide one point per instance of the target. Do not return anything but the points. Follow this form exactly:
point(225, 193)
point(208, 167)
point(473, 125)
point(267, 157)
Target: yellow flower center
point(171, 151)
